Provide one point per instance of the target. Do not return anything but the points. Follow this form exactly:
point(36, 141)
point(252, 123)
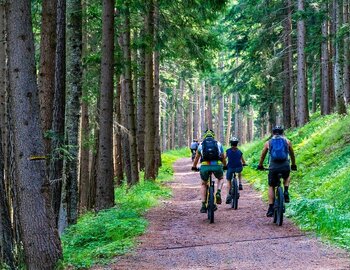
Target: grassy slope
point(320, 189)
point(97, 238)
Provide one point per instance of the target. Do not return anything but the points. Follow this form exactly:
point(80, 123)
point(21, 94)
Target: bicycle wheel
point(211, 204)
point(279, 206)
point(234, 193)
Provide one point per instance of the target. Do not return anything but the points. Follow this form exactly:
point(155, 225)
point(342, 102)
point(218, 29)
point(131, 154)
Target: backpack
point(278, 149)
point(210, 150)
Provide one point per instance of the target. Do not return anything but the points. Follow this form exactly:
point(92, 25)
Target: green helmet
point(209, 133)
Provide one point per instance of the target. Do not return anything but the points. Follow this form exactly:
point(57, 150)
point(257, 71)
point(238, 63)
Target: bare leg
point(228, 187)
point(286, 182)
point(240, 178)
point(204, 191)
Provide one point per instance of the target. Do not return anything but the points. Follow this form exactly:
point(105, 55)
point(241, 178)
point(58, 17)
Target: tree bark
point(56, 161)
point(338, 87)
point(202, 109)
point(70, 198)
point(129, 98)
point(180, 115)
point(150, 169)
point(209, 113)
point(40, 239)
point(229, 119)
point(118, 164)
point(221, 116)
point(46, 76)
point(346, 54)
point(104, 181)
point(325, 97)
point(303, 110)
point(196, 113)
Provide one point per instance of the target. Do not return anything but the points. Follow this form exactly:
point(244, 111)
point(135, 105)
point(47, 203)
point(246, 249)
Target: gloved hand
point(245, 164)
point(293, 167)
point(260, 168)
point(194, 169)
point(224, 168)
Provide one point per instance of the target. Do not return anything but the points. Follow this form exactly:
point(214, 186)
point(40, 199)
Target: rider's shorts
point(273, 176)
point(230, 172)
point(216, 169)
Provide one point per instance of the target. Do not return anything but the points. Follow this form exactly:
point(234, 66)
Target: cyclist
point(279, 147)
point(193, 148)
point(211, 155)
point(235, 164)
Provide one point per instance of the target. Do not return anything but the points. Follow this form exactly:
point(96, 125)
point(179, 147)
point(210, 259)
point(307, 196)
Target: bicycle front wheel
point(234, 193)
point(211, 204)
point(279, 207)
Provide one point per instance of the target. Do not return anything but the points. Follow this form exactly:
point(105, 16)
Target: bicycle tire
point(234, 193)
point(280, 206)
point(211, 204)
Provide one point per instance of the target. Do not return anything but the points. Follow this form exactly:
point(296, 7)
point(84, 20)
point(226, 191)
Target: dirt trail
point(179, 237)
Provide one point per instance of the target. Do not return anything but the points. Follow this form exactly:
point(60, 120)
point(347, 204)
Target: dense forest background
point(92, 93)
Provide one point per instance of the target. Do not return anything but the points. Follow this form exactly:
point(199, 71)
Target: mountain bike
point(278, 203)
point(193, 154)
point(234, 191)
point(278, 206)
point(210, 200)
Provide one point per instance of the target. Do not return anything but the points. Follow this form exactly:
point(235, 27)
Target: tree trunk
point(229, 119)
point(104, 181)
point(129, 95)
point(221, 116)
point(180, 115)
point(313, 84)
point(196, 113)
point(70, 198)
point(156, 87)
point(141, 108)
point(6, 240)
point(46, 76)
point(84, 160)
point(288, 67)
point(202, 109)
point(118, 164)
point(209, 118)
point(346, 56)
point(150, 169)
point(236, 129)
point(59, 100)
point(303, 111)
point(325, 102)
point(338, 87)
point(41, 243)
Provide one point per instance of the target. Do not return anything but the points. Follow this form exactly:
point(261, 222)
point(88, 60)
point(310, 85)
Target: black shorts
point(273, 176)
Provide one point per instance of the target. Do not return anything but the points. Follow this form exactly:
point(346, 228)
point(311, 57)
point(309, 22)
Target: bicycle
point(193, 154)
point(278, 205)
point(210, 199)
point(278, 202)
point(234, 192)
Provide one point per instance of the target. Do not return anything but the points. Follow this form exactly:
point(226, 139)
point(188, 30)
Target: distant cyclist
point(193, 147)
point(279, 148)
point(211, 155)
point(235, 164)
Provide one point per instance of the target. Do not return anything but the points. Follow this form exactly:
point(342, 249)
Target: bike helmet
point(234, 141)
point(209, 133)
point(277, 130)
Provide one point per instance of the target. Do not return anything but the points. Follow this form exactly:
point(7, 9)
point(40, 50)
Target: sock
point(285, 188)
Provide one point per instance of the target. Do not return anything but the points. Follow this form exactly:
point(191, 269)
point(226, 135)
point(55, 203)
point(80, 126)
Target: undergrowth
point(320, 188)
point(98, 237)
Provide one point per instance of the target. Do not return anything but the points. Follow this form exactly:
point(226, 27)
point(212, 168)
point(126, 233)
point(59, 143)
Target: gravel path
point(179, 237)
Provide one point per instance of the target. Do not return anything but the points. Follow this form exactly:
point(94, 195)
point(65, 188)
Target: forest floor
point(180, 237)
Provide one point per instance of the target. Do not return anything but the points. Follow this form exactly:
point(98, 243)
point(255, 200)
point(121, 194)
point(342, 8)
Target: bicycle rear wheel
point(279, 207)
point(211, 204)
point(234, 193)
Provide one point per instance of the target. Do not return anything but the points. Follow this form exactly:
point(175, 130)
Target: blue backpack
point(278, 149)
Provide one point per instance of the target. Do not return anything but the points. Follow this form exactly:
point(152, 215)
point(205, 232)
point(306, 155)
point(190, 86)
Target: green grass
point(320, 188)
point(98, 237)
